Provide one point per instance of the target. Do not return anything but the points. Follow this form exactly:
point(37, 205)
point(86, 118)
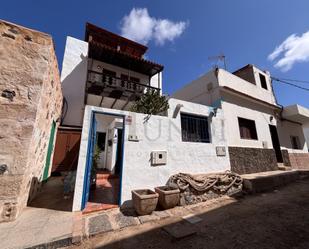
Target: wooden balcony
point(112, 87)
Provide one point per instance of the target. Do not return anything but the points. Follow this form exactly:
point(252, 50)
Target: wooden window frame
point(247, 129)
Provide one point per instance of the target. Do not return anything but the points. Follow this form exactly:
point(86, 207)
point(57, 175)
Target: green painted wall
point(49, 151)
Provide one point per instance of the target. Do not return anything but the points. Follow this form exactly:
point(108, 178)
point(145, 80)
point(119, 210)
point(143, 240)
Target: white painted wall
point(234, 107)
point(204, 90)
point(73, 79)
point(306, 133)
point(254, 90)
point(159, 133)
point(156, 81)
point(286, 129)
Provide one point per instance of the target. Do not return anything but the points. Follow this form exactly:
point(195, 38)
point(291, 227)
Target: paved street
point(278, 219)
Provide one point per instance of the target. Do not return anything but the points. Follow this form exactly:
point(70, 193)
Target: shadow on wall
point(35, 186)
point(73, 87)
point(51, 195)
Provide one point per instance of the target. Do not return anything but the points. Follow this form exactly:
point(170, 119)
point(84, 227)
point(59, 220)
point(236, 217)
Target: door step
point(267, 181)
point(281, 166)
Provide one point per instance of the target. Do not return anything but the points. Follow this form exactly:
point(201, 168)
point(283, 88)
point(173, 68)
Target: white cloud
point(141, 27)
point(293, 50)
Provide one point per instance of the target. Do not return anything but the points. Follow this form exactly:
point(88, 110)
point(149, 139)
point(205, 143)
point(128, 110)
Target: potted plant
point(144, 201)
point(95, 161)
point(168, 196)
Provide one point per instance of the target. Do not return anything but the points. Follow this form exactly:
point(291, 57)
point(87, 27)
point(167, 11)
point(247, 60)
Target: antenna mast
point(220, 57)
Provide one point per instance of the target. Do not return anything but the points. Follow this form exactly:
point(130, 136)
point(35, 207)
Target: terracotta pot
point(168, 196)
point(144, 201)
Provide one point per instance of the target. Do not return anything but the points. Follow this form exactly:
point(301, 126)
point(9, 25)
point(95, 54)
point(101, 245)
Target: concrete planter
point(168, 196)
point(144, 201)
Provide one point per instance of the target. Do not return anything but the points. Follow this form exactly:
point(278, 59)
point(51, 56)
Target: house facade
point(101, 78)
point(260, 133)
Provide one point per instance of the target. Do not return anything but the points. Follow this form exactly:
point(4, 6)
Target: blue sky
point(245, 31)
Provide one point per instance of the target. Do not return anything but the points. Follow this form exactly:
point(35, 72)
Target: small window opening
point(263, 81)
point(295, 142)
point(247, 129)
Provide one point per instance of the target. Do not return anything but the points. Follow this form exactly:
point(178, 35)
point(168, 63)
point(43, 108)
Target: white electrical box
point(220, 151)
point(158, 157)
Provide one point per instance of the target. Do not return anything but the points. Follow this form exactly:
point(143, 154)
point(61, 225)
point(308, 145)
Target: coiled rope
point(219, 182)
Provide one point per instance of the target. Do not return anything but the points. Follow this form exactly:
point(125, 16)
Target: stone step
point(270, 180)
point(281, 166)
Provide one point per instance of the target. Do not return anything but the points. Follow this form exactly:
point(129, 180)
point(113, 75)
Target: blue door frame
point(89, 156)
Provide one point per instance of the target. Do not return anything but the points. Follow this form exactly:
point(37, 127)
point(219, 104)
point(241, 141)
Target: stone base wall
point(30, 99)
point(252, 160)
point(299, 160)
point(286, 158)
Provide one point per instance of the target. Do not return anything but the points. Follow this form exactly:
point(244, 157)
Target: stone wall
point(30, 100)
point(299, 160)
point(286, 158)
point(251, 160)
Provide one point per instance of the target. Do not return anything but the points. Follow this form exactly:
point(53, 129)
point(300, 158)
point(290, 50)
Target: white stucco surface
point(73, 79)
point(234, 107)
point(230, 80)
point(286, 129)
point(159, 133)
point(296, 113)
point(204, 90)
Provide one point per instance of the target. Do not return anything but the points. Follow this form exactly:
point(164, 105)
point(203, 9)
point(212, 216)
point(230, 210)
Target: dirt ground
point(278, 219)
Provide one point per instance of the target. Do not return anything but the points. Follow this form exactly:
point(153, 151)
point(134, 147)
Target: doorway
point(119, 152)
point(104, 162)
point(276, 143)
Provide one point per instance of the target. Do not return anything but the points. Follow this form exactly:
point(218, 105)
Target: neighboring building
point(259, 132)
point(101, 78)
point(292, 138)
point(30, 111)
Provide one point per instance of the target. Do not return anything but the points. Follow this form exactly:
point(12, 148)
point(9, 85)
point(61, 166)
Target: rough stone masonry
point(30, 101)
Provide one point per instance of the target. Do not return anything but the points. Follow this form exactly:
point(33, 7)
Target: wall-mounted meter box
point(158, 157)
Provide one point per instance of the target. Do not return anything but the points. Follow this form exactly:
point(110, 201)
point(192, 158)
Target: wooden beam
point(113, 103)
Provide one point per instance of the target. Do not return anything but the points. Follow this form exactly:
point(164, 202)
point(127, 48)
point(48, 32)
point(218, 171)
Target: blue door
point(89, 160)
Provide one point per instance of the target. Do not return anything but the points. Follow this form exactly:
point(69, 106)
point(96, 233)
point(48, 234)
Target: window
point(134, 79)
point(263, 81)
point(247, 129)
point(194, 128)
point(295, 142)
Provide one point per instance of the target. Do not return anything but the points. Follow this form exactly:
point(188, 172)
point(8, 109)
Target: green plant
point(151, 103)
point(96, 157)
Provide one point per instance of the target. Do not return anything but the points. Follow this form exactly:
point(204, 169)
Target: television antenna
point(217, 58)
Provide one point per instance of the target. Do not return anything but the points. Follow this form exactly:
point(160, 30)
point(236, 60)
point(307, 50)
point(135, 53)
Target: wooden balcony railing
point(100, 80)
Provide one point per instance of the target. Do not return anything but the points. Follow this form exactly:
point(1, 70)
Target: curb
point(53, 244)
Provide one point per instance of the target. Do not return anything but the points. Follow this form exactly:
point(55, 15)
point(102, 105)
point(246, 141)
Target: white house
point(260, 133)
point(101, 78)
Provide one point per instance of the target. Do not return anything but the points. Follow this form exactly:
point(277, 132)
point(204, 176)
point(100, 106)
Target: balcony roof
point(115, 41)
point(113, 56)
